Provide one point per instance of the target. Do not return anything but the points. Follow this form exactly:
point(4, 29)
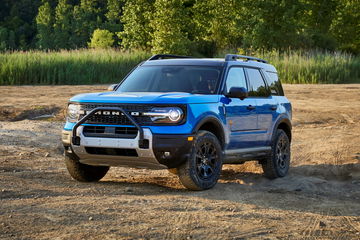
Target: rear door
point(266, 105)
point(240, 114)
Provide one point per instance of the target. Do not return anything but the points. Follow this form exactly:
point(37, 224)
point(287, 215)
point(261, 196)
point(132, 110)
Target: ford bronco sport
point(188, 115)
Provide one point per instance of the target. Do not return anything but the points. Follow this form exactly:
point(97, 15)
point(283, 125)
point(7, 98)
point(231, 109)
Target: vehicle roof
point(209, 62)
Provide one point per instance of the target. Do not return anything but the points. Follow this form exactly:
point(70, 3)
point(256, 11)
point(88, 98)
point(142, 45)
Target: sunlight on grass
point(110, 66)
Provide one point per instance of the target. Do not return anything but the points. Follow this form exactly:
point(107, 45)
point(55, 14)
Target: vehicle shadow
point(307, 188)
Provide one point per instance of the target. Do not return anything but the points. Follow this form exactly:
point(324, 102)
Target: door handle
point(250, 107)
point(273, 107)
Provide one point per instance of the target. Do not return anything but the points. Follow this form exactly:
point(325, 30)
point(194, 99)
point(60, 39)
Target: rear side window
point(235, 78)
point(257, 86)
point(275, 84)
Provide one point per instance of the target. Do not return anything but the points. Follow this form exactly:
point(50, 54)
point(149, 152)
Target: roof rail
point(166, 56)
point(233, 57)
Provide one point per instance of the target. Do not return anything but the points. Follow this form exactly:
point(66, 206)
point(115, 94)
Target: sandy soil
point(319, 199)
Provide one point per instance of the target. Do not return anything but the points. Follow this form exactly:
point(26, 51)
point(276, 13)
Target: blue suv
point(188, 115)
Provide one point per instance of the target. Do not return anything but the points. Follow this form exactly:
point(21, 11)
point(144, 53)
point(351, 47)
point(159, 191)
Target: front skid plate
point(145, 159)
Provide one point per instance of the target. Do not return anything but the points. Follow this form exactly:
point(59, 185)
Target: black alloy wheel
point(206, 157)
point(203, 167)
point(278, 163)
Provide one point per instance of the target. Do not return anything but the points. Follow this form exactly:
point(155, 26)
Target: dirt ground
point(319, 199)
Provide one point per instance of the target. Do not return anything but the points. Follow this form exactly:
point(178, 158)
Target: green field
point(110, 66)
point(67, 67)
point(315, 67)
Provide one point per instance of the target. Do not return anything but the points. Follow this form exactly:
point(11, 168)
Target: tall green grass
point(67, 67)
point(110, 66)
point(310, 67)
point(315, 67)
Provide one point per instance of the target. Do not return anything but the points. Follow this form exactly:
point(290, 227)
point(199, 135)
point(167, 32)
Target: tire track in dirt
point(345, 224)
point(253, 232)
point(312, 227)
point(352, 224)
point(182, 217)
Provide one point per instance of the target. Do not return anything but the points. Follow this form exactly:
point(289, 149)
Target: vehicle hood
point(145, 97)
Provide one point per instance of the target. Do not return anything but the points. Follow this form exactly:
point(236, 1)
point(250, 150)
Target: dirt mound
point(341, 172)
point(8, 113)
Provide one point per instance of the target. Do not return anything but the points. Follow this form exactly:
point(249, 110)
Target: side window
point(257, 87)
point(274, 84)
point(235, 78)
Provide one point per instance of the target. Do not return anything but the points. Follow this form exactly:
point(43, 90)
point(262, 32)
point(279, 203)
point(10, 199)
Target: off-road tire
point(202, 171)
point(83, 172)
point(278, 163)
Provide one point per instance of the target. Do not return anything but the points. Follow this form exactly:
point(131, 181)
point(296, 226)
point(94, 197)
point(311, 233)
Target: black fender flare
point(214, 120)
point(281, 120)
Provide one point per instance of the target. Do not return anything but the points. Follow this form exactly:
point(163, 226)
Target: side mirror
point(112, 87)
point(237, 92)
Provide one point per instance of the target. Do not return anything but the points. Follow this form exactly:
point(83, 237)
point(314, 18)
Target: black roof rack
point(233, 57)
point(166, 56)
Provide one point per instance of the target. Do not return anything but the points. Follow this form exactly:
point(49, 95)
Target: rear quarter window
point(257, 87)
point(275, 84)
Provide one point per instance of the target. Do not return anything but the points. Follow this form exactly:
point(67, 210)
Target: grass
point(316, 67)
point(67, 67)
point(110, 66)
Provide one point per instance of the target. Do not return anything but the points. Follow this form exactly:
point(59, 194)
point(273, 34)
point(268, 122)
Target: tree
point(19, 19)
point(346, 26)
point(113, 18)
point(218, 25)
point(4, 37)
point(11, 40)
point(136, 19)
point(272, 24)
point(45, 21)
point(102, 39)
point(113, 14)
point(316, 20)
point(62, 27)
point(170, 23)
point(86, 20)
point(183, 26)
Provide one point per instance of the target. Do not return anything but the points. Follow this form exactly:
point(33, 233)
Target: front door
point(241, 115)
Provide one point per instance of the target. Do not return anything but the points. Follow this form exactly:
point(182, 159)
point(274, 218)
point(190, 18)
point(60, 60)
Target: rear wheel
point(203, 167)
point(83, 172)
point(277, 165)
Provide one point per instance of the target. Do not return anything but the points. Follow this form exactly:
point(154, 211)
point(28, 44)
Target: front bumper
point(145, 150)
point(165, 151)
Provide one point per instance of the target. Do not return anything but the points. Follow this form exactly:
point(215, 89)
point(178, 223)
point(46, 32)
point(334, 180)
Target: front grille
point(110, 132)
point(93, 130)
point(126, 131)
point(112, 151)
point(119, 119)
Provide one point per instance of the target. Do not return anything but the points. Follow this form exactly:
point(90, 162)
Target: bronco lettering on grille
point(113, 113)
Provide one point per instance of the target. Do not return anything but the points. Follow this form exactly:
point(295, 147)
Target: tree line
point(202, 27)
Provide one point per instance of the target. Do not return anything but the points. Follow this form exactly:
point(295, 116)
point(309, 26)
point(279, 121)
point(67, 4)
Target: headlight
point(165, 115)
point(73, 112)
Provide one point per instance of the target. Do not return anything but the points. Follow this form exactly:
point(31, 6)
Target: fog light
point(165, 155)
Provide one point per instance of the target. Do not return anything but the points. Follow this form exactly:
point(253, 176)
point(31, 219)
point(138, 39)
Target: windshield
point(190, 79)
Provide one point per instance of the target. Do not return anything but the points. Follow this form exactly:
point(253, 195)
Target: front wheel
point(277, 165)
point(203, 167)
point(83, 172)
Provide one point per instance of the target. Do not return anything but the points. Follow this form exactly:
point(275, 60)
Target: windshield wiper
point(200, 92)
